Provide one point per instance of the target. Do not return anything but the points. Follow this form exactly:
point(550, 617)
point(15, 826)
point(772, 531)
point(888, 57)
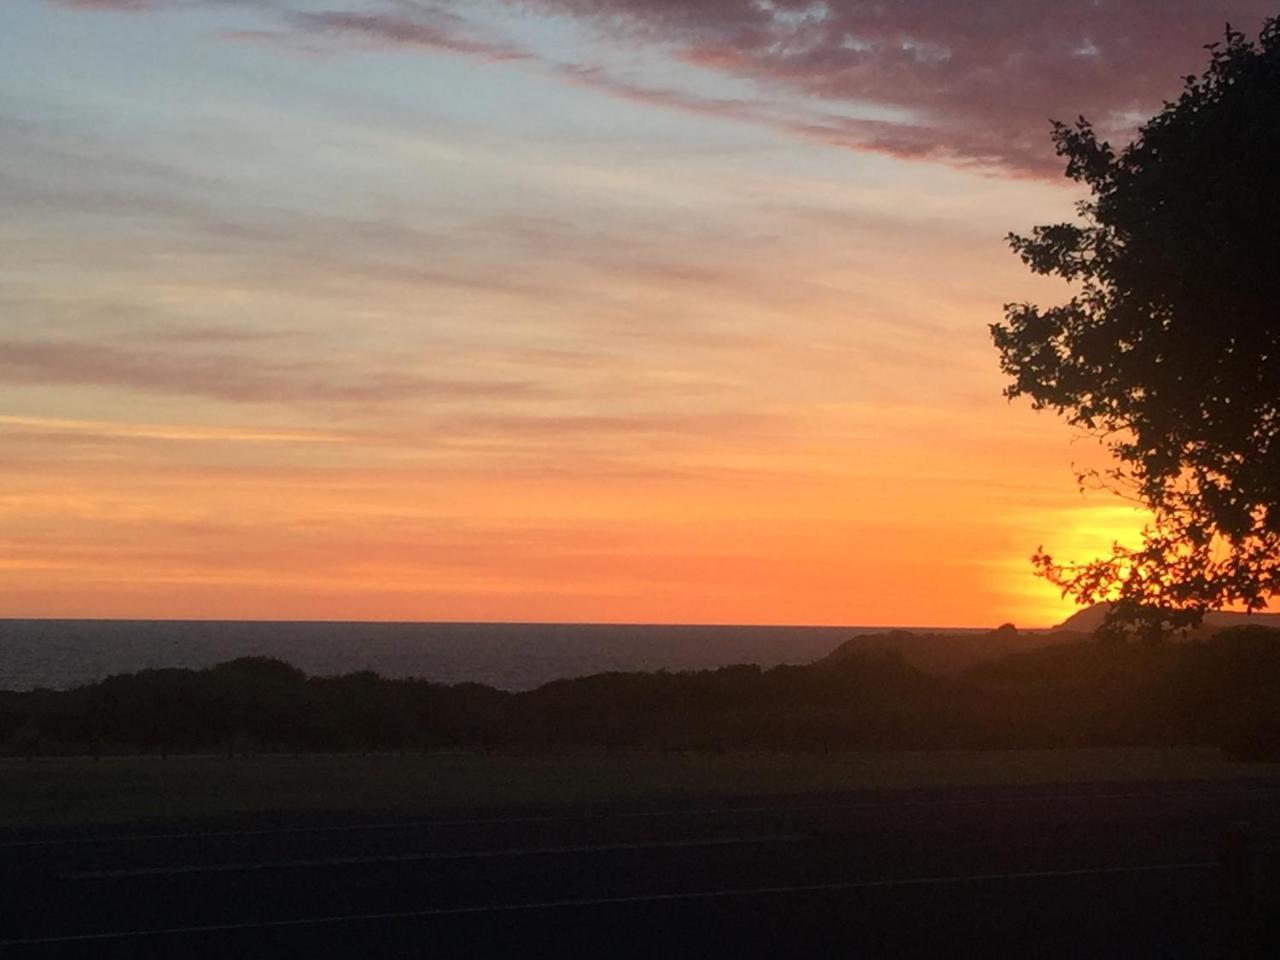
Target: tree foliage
point(1169, 348)
point(866, 695)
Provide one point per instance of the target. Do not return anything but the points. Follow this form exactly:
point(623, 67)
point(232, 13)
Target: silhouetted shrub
point(1223, 691)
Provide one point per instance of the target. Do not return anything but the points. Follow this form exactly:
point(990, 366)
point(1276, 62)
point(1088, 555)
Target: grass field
point(81, 791)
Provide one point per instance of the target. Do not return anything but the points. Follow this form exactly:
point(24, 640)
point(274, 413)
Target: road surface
point(1063, 871)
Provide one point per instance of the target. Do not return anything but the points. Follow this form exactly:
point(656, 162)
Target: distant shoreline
point(917, 628)
point(61, 653)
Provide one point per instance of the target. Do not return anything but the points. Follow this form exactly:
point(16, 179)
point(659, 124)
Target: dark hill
point(1088, 620)
point(1018, 690)
point(949, 654)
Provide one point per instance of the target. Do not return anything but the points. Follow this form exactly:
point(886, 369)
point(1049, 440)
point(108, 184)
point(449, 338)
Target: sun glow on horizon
point(1072, 533)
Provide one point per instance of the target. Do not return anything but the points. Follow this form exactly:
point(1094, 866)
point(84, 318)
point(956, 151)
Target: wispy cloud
point(229, 377)
point(112, 5)
point(424, 29)
point(112, 429)
point(900, 139)
point(978, 82)
point(541, 428)
point(982, 78)
point(210, 335)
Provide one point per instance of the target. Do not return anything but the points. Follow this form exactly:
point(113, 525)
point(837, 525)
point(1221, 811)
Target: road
point(1079, 871)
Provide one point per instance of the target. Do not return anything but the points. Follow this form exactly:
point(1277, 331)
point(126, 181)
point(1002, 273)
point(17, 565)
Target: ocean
point(512, 656)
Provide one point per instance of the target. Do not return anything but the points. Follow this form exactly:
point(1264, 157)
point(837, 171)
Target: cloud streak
point(228, 377)
point(428, 30)
point(909, 141)
point(977, 82)
point(116, 6)
point(58, 427)
point(981, 79)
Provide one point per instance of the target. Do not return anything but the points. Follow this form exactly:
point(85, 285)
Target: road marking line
point(429, 856)
point(631, 815)
point(606, 901)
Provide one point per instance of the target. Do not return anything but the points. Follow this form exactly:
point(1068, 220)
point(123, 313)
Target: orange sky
point(531, 321)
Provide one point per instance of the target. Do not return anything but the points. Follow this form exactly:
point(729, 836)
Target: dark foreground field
point(1121, 868)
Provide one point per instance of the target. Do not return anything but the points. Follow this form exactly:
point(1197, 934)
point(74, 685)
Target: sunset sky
point(591, 310)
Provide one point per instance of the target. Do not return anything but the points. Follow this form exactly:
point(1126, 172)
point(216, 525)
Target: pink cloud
point(978, 82)
point(981, 80)
point(230, 377)
point(905, 140)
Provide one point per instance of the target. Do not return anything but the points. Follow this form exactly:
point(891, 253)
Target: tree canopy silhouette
point(1169, 347)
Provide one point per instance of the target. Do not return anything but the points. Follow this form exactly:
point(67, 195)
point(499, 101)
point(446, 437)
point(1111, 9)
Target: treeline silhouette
point(1222, 691)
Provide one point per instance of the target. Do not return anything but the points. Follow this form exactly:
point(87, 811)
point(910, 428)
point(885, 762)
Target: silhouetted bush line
point(1223, 691)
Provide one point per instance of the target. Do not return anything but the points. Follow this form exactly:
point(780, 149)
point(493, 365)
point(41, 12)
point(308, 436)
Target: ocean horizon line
point(949, 628)
point(62, 652)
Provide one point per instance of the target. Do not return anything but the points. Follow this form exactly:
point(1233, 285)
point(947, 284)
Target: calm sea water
point(512, 656)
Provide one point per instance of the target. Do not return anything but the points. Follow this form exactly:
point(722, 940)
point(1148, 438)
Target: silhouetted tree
point(1228, 688)
point(1225, 691)
point(1170, 347)
point(260, 700)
